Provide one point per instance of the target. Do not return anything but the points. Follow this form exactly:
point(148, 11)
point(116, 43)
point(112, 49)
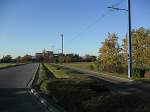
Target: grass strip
point(90, 66)
point(78, 93)
point(8, 65)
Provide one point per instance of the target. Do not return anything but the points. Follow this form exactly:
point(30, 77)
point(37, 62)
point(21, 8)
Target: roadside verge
point(10, 66)
point(49, 105)
point(106, 77)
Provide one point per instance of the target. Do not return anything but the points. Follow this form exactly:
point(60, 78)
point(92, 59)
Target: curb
point(50, 106)
point(32, 80)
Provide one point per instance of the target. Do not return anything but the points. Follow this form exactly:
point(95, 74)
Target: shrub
point(138, 72)
point(91, 67)
point(121, 69)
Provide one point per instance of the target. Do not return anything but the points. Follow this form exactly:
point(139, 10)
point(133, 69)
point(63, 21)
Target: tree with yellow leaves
point(109, 53)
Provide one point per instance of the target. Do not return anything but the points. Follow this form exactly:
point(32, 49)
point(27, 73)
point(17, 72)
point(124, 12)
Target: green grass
point(83, 65)
point(78, 93)
point(57, 72)
point(73, 94)
point(3, 65)
point(92, 67)
point(42, 76)
point(70, 89)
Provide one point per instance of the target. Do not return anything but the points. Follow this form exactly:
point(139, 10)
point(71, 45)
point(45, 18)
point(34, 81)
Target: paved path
point(14, 85)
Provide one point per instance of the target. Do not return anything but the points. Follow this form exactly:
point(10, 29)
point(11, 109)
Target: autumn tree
point(140, 47)
point(125, 50)
point(109, 53)
point(26, 58)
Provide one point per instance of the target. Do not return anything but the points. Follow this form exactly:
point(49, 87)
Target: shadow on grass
point(76, 95)
point(86, 96)
point(49, 74)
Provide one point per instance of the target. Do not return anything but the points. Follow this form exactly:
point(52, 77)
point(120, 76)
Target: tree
point(114, 57)
point(68, 58)
point(61, 58)
point(125, 50)
point(26, 58)
point(6, 59)
point(18, 59)
point(140, 47)
point(76, 58)
point(109, 53)
point(89, 58)
point(72, 58)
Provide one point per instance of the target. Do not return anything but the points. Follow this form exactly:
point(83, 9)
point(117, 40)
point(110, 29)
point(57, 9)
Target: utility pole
point(62, 40)
point(129, 37)
point(129, 43)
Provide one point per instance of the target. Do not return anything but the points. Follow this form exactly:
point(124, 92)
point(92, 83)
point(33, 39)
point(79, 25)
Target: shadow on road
point(17, 100)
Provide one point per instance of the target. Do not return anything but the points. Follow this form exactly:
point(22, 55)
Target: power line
point(117, 8)
point(92, 24)
point(96, 21)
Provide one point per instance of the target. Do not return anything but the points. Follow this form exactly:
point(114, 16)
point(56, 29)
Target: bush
point(110, 68)
point(138, 72)
point(91, 67)
point(121, 69)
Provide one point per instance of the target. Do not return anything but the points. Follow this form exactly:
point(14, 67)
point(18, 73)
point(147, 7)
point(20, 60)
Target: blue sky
point(29, 26)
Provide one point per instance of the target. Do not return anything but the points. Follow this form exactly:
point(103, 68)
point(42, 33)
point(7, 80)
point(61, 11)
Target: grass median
point(8, 65)
point(91, 66)
point(4, 65)
point(76, 92)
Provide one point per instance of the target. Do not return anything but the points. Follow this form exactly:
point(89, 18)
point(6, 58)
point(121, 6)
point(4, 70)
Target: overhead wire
point(97, 20)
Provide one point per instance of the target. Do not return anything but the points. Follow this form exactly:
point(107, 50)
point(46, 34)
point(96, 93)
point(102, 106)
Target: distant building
point(45, 56)
point(39, 55)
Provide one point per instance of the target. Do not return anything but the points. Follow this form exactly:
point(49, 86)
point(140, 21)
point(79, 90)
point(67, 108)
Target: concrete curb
point(51, 107)
point(32, 80)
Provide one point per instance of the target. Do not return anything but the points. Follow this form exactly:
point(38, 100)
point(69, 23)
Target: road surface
point(14, 85)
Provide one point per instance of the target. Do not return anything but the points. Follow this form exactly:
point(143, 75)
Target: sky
point(29, 26)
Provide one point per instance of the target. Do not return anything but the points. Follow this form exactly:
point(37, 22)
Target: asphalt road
point(14, 85)
point(17, 77)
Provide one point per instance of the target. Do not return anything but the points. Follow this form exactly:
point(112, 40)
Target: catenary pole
point(129, 37)
point(62, 40)
point(129, 42)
